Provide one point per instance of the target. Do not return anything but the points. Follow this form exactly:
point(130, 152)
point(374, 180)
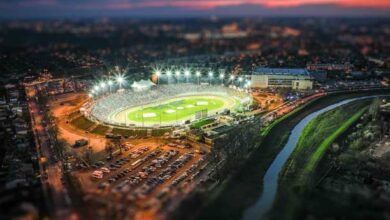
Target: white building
point(281, 78)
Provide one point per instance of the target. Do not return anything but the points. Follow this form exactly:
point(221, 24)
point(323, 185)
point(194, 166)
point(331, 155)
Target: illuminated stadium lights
point(102, 85)
point(158, 74)
point(120, 79)
point(109, 83)
point(210, 76)
point(221, 76)
point(96, 88)
point(232, 77)
point(240, 79)
point(187, 74)
point(169, 73)
point(177, 73)
point(197, 73)
point(247, 84)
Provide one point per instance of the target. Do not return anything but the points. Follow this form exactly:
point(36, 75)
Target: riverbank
point(240, 191)
point(297, 175)
point(345, 179)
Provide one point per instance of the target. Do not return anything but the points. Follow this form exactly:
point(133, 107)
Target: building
point(281, 78)
point(346, 67)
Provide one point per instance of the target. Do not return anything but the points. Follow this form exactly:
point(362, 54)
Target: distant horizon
point(51, 9)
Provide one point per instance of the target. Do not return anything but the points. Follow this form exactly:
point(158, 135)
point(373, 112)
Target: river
point(270, 179)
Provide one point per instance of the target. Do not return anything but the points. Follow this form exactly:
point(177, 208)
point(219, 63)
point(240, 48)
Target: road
point(59, 205)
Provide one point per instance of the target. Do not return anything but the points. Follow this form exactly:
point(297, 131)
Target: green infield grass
point(175, 110)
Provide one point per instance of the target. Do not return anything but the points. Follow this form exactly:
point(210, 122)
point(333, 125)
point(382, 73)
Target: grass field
point(82, 123)
point(175, 110)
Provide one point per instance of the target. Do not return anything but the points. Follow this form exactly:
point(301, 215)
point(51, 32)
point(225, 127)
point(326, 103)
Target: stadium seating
point(102, 108)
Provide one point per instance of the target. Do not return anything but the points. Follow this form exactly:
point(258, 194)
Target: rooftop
point(281, 71)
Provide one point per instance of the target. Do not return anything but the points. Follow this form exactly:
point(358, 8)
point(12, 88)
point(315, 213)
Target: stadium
point(164, 105)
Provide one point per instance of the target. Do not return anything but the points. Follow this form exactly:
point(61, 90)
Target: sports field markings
point(202, 103)
point(169, 111)
point(149, 115)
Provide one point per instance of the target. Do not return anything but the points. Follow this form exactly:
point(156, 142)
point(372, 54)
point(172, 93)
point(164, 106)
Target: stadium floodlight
point(109, 82)
point(240, 79)
point(177, 73)
point(158, 74)
point(120, 79)
point(96, 88)
point(221, 76)
point(187, 74)
point(210, 76)
point(197, 73)
point(103, 85)
point(169, 73)
point(232, 77)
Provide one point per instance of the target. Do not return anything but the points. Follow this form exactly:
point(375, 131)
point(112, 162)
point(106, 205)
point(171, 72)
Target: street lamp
point(198, 75)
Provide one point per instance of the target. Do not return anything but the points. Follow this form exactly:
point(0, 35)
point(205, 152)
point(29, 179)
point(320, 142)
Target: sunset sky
point(28, 8)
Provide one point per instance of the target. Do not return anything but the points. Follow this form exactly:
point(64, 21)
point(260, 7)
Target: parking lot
point(146, 174)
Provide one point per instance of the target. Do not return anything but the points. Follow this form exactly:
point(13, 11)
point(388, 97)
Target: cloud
point(145, 8)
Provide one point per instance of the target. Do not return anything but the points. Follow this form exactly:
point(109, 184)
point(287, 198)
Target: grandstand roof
point(281, 71)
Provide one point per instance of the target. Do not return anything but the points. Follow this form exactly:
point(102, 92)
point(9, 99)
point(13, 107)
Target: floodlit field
point(176, 109)
point(173, 110)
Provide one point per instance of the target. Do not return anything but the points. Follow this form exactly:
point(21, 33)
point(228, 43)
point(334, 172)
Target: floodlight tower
point(158, 74)
point(96, 89)
point(198, 76)
point(169, 74)
point(109, 82)
point(231, 78)
point(120, 80)
point(177, 73)
point(103, 86)
point(240, 80)
point(187, 74)
point(221, 77)
point(210, 76)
